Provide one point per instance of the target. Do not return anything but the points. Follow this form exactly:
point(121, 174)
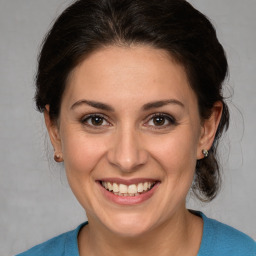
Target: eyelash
point(171, 121)
point(91, 116)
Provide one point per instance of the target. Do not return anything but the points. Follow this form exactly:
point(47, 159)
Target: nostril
point(127, 161)
point(126, 151)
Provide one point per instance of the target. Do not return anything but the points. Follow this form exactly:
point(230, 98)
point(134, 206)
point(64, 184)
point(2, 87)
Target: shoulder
point(62, 245)
point(221, 239)
point(50, 247)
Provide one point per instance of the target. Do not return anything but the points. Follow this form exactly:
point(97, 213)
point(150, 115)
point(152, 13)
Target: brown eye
point(159, 120)
point(95, 121)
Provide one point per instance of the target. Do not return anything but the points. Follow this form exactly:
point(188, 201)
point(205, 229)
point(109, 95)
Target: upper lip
point(128, 181)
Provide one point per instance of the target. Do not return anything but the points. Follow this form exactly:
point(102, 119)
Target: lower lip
point(128, 200)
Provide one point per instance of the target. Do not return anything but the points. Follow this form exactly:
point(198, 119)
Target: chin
point(128, 225)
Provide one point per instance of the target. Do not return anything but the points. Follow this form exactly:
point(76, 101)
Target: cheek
point(81, 153)
point(176, 151)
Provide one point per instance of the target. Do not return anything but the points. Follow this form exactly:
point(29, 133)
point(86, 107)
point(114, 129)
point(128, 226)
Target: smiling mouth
point(128, 190)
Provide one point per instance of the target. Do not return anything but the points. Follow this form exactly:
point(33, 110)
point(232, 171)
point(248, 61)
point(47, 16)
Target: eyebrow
point(94, 104)
point(161, 103)
point(145, 107)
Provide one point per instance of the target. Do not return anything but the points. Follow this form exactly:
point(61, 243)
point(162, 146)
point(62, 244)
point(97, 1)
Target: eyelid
point(172, 121)
point(169, 117)
point(88, 116)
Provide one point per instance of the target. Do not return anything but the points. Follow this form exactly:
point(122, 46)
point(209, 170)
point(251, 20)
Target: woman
point(131, 92)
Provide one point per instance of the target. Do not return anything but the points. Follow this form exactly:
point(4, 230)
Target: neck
point(180, 235)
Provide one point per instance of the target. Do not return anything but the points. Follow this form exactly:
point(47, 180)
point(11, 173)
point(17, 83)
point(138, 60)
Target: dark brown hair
point(172, 25)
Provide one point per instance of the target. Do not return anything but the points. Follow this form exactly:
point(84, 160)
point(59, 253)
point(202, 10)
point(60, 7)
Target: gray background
point(35, 200)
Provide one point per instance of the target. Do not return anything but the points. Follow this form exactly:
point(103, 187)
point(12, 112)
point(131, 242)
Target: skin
point(128, 144)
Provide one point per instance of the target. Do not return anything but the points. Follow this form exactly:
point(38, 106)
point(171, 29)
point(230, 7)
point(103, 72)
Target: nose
point(126, 151)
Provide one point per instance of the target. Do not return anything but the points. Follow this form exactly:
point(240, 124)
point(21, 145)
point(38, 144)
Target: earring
point(58, 158)
point(205, 152)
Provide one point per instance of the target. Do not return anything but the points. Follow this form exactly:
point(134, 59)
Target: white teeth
point(124, 190)
point(110, 186)
point(145, 186)
point(140, 187)
point(115, 187)
point(132, 189)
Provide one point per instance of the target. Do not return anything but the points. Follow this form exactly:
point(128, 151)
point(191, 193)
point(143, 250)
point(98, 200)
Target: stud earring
point(58, 158)
point(205, 152)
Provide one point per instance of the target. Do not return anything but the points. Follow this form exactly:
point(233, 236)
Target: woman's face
point(129, 122)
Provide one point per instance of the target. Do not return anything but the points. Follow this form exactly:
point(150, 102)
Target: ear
point(53, 131)
point(209, 129)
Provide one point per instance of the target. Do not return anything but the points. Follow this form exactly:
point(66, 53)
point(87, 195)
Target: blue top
point(222, 240)
point(218, 240)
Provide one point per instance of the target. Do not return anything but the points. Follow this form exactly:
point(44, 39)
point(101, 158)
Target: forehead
point(138, 73)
